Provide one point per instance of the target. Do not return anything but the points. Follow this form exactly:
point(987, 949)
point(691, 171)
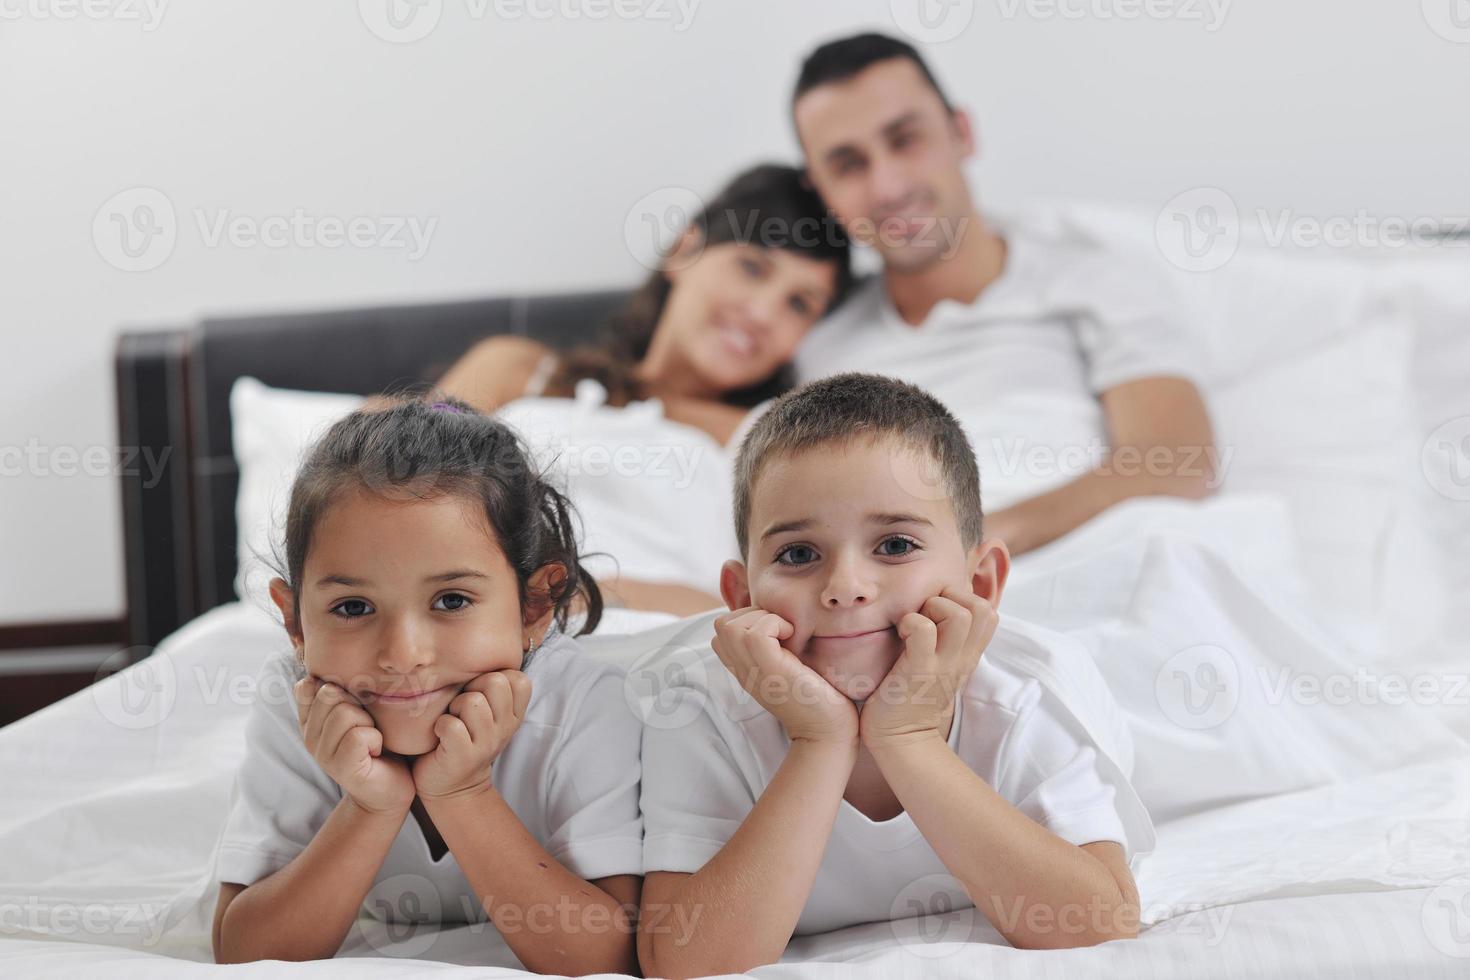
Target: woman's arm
point(303, 911)
point(494, 371)
point(1162, 444)
point(669, 597)
point(554, 921)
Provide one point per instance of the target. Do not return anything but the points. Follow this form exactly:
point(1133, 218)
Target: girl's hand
point(472, 733)
point(942, 644)
point(748, 643)
point(342, 738)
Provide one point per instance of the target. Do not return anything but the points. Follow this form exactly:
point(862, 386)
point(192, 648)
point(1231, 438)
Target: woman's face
point(737, 312)
point(403, 602)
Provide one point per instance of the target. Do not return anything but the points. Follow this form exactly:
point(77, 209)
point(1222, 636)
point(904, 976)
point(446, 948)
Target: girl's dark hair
point(428, 445)
point(769, 205)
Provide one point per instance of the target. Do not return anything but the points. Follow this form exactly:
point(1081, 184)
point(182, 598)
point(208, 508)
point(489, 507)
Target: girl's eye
point(751, 266)
point(455, 602)
point(796, 555)
point(897, 547)
point(800, 305)
point(352, 608)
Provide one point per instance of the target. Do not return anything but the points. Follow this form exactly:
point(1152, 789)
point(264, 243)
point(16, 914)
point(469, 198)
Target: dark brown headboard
point(173, 391)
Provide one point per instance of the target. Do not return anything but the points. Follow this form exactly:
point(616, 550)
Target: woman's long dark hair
point(770, 205)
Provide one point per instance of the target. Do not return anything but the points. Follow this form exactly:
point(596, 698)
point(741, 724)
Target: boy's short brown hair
point(850, 406)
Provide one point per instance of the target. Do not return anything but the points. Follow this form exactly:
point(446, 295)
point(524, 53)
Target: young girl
point(449, 754)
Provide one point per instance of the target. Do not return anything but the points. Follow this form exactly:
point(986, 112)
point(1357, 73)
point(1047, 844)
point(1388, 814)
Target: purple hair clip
point(446, 407)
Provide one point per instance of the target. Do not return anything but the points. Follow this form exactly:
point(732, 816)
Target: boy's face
point(845, 540)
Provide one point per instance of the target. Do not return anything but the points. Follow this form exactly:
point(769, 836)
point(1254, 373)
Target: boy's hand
point(473, 731)
point(342, 738)
point(942, 643)
point(748, 643)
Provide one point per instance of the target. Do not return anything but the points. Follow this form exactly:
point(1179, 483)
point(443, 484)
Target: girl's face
point(736, 313)
point(404, 601)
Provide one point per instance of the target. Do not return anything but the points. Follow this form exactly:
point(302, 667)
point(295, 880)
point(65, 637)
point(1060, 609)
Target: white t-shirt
point(652, 495)
point(1035, 721)
point(570, 773)
point(1023, 365)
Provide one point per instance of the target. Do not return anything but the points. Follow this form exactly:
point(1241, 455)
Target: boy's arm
point(303, 911)
point(528, 894)
point(1038, 890)
point(739, 911)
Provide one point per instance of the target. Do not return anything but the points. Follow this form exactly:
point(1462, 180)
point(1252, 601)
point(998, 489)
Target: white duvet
point(1348, 835)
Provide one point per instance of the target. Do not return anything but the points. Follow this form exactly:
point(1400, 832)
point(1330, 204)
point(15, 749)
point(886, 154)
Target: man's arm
point(1161, 445)
point(739, 911)
point(1038, 890)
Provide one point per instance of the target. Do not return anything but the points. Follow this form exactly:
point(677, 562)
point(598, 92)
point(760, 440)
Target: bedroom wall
point(519, 145)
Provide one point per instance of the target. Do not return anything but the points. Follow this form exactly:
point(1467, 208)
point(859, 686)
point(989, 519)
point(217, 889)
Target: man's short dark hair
point(851, 406)
point(837, 61)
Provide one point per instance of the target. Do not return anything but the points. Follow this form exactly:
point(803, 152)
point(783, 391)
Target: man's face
point(887, 157)
point(845, 540)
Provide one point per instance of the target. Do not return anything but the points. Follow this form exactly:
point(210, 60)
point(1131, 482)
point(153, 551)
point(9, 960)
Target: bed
point(1318, 827)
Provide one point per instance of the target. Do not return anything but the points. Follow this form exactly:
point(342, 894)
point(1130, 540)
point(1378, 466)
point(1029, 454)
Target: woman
point(710, 334)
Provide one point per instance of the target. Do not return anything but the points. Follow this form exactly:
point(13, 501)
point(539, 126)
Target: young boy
point(854, 742)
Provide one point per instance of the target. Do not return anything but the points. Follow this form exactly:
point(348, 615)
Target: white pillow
point(271, 428)
point(1309, 388)
point(652, 496)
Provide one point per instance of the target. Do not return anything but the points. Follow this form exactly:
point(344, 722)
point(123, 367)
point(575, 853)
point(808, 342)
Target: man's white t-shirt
point(1035, 721)
point(1022, 367)
point(570, 773)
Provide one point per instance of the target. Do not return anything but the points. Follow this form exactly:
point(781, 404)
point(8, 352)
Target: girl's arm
point(303, 911)
point(554, 921)
point(1038, 890)
point(739, 911)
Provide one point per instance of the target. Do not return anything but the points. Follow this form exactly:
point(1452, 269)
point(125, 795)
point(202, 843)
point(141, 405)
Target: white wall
point(529, 139)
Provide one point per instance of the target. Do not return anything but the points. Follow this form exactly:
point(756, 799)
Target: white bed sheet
point(106, 869)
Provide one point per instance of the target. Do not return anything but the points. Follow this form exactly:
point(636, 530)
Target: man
point(1074, 383)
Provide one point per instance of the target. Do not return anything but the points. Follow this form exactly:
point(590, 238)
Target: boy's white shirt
point(1036, 721)
point(570, 773)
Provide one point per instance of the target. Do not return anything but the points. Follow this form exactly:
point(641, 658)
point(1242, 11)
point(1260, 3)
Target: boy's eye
point(796, 554)
point(352, 608)
point(897, 547)
point(453, 601)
